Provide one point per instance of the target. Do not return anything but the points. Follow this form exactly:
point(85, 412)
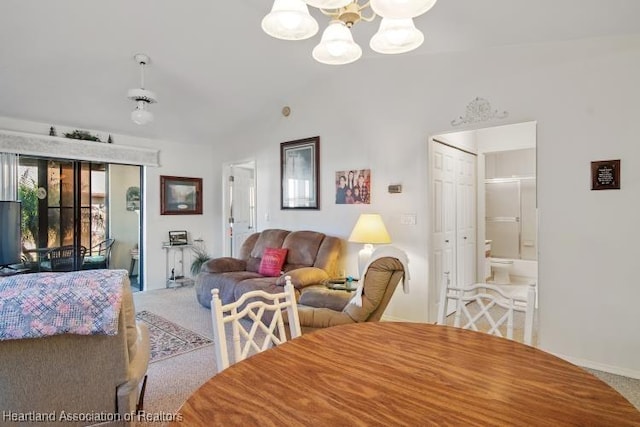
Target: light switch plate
point(408, 219)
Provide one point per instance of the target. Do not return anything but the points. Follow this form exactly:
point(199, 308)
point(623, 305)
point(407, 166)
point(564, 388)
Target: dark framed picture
point(177, 238)
point(300, 174)
point(605, 175)
point(180, 196)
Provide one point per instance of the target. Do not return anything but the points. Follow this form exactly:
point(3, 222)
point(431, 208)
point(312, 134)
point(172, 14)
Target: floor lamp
point(370, 230)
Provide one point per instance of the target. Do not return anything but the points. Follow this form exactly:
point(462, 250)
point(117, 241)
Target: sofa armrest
point(322, 297)
point(303, 277)
point(223, 265)
point(128, 393)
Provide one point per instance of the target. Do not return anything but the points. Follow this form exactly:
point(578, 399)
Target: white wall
point(177, 159)
point(583, 96)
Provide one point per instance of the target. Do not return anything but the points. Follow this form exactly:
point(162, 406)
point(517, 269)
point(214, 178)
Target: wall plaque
point(605, 175)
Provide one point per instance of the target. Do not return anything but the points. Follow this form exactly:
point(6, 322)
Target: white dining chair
point(262, 313)
point(488, 304)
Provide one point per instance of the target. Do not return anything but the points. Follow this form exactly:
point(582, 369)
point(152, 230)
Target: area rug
point(169, 339)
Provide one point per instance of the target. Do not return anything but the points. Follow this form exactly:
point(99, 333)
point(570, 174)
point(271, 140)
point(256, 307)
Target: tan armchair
point(320, 307)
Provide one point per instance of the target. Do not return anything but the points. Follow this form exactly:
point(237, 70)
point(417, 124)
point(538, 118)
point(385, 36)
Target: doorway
point(497, 150)
point(239, 207)
point(76, 210)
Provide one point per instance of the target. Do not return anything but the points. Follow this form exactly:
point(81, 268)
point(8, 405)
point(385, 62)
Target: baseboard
point(631, 373)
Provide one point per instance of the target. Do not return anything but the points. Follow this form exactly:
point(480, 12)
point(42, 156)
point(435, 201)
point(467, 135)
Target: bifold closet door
point(443, 165)
point(465, 218)
point(453, 181)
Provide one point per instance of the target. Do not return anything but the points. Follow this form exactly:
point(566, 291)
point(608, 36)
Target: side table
point(176, 278)
point(348, 284)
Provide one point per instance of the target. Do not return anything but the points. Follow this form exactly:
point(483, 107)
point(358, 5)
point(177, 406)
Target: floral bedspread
point(42, 304)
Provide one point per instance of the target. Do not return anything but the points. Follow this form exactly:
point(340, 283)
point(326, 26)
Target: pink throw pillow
point(272, 262)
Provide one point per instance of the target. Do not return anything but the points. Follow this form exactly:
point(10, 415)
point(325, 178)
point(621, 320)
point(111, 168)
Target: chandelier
point(290, 20)
point(143, 97)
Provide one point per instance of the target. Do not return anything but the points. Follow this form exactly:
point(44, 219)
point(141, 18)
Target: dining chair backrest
point(103, 249)
point(62, 258)
point(487, 308)
point(262, 312)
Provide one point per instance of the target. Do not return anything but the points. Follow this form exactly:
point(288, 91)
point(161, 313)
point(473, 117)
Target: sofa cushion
point(268, 239)
point(272, 261)
point(224, 264)
point(267, 284)
point(305, 276)
point(224, 282)
point(322, 297)
point(303, 248)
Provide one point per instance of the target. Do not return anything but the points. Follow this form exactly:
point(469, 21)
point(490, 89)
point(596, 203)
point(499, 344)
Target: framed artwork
point(133, 198)
point(300, 174)
point(180, 196)
point(177, 238)
point(353, 187)
point(605, 175)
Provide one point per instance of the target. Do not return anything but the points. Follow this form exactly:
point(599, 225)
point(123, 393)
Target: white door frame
point(227, 202)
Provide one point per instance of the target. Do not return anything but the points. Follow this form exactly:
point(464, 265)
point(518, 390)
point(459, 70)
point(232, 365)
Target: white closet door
point(465, 218)
point(453, 180)
point(444, 214)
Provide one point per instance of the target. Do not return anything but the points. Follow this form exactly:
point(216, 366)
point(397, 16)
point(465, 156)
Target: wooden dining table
point(405, 374)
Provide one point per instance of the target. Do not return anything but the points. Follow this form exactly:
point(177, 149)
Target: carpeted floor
point(173, 379)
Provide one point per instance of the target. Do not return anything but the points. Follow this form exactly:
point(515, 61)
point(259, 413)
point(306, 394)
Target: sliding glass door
point(67, 212)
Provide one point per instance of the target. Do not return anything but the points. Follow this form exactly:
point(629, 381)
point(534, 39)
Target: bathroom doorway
point(506, 227)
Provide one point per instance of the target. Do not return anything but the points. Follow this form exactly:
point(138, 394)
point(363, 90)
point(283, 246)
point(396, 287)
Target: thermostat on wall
point(395, 188)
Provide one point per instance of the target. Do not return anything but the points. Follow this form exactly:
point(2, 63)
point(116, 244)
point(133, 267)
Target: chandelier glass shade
point(291, 20)
point(396, 36)
point(401, 8)
point(337, 46)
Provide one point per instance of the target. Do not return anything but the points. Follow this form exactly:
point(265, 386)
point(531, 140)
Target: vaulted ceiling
point(70, 62)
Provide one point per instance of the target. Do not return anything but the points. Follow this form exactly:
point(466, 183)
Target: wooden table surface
point(413, 374)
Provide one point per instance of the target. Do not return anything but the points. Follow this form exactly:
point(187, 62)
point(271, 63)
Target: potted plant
point(200, 256)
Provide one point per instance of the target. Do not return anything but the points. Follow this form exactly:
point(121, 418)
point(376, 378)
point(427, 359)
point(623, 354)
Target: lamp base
point(363, 258)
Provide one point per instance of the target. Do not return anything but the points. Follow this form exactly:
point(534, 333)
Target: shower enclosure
point(511, 205)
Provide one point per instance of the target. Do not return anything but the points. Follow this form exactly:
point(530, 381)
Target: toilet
point(500, 268)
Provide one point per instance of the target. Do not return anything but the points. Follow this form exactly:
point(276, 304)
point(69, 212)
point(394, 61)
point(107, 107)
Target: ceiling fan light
point(401, 8)
point(290, 20)
point(141, 116)
point(328, 4)
point(337, 46)
point(396, 36)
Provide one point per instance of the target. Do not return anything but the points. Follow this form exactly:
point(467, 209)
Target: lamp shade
point(401, 8)
point(290, 20)
point(337, 46)
point(396, 36)
point(141, 116)
point(370, 229)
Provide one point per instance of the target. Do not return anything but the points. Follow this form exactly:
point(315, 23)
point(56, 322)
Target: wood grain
point(414, 374)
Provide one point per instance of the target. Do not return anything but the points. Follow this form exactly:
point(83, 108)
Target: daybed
point(311, 258)
point(94, 372)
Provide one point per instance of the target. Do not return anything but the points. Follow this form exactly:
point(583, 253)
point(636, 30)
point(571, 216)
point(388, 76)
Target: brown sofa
point(312, 257)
